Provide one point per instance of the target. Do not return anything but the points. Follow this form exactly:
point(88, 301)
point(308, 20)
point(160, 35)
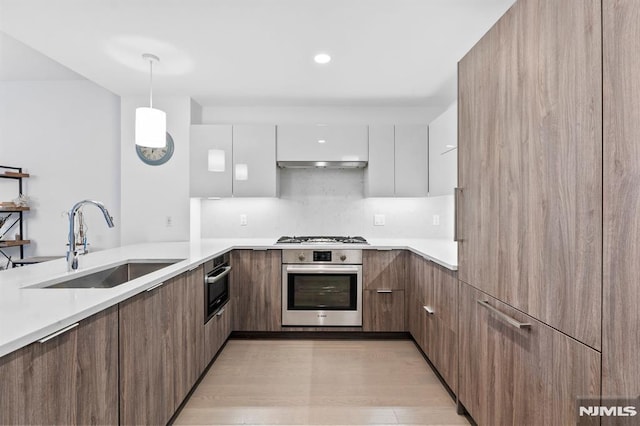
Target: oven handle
point(322, 269)
point(212, 280)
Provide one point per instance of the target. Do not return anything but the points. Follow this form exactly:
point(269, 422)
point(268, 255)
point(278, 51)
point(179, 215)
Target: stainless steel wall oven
point(322, 287)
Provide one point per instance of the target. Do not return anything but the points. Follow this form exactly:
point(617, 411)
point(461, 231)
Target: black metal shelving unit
point(8, 212)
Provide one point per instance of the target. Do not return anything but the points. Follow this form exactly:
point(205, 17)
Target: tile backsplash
point(326, 202)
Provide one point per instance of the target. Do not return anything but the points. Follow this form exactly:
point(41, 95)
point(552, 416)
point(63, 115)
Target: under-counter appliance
point(322, 287)
point(216, 285)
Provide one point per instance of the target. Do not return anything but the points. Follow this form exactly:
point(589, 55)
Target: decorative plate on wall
point(156, 156)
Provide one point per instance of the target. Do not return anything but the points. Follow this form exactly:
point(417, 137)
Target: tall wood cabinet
point(530, 214)
point(530, 152)
point(70, 379)
point(621, 272)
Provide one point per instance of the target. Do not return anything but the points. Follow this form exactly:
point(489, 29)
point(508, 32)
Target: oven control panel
point(337, 256)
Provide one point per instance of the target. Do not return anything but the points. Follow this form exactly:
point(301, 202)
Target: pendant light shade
point(215, 161)
point(151, 127)
point(151, 123)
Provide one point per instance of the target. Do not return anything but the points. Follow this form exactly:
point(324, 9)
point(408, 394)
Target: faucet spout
point(72, 252)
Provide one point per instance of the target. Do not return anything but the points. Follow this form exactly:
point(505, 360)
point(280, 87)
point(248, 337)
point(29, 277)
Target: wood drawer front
point(520, 376)
point(384, 269)
point(70, 379)
point(216, 331)
point(383, 311)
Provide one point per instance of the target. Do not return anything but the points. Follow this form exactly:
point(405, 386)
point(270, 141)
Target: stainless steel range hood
point(322, 164)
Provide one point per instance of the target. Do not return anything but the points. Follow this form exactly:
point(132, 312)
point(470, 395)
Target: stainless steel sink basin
point(114, 276)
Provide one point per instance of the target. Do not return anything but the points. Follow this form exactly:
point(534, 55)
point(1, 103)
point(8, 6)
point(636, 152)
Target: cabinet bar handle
point(213, 280)
point(384, 291)
point(155, 286)
point(57, 333)
point(220, 312)
point(429, 310)
point(504, 316)
point(456, 205)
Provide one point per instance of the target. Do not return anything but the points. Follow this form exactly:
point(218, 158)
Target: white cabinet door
point(443, 158)
point(205, 183)
point(411, 161)
point(255, 173)
point(379, 178)
point(322, 142)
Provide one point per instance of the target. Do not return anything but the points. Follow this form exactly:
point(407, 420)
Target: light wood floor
point(298, 382)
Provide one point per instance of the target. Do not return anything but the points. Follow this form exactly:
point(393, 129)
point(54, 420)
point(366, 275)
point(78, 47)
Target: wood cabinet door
point(257, 289)
point(187, 306)
point(530, 147)
point(383, 310)
point(147, 358)
point(414, 297)
point(383, 269)
point(70, 379)
point(621, 316)
point(442, 324)
point(520, 376)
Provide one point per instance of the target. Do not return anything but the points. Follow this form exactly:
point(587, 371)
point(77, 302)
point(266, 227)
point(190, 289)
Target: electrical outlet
point(378, 220)
point(436, 219)
point(169, 222)
point(243, 220)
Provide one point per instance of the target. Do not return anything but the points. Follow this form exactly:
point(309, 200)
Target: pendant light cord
point(150, 83)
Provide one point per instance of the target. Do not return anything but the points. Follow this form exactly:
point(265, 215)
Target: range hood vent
point(322, 164)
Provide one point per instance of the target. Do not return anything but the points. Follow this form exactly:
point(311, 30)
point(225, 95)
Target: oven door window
point(331, 292)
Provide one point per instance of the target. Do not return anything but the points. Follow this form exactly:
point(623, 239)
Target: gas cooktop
point(321, 240)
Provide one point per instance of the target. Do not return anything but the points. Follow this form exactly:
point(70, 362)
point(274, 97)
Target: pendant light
point(151, 123)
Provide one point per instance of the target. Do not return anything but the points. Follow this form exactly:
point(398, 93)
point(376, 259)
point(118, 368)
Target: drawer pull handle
point(429, 310)
point(155, 286)
point(57, 333)
point(384, 291)
point(503, 316)
point(220, 312)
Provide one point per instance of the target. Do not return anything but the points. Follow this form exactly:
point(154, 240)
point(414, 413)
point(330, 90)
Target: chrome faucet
point(72, 253)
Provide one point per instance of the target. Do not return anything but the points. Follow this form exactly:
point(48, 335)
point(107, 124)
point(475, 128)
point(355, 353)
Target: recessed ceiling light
point(321, 141)
point(322, 58)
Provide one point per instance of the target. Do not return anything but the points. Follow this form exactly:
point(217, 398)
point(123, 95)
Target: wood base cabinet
point(432, 315)
point(514, 370)
point(69, 379)
point(161, 348)
point(216, 331)
point(257, 289)
point(383, 276)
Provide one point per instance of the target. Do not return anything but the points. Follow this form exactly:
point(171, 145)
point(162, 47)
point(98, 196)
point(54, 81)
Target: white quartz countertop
point(29, 313)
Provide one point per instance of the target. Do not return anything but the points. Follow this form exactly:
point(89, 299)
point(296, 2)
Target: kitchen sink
point(115, 275)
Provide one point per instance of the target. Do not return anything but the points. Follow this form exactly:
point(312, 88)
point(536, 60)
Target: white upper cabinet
point(255, 173)
point(317, 143)
point(238, 161)
point(443, 153)
point(379, 178)
point(208, 143)
point(398, 161)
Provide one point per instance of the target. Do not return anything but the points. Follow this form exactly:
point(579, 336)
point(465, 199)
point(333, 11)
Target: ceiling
point(242, 52)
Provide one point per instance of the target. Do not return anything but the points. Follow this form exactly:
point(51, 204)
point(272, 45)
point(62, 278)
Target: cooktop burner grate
point(321, 240)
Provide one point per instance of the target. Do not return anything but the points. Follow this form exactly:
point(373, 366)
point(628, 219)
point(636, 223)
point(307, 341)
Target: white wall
point(326, 202)
point(66, 135)
point(151, 194)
